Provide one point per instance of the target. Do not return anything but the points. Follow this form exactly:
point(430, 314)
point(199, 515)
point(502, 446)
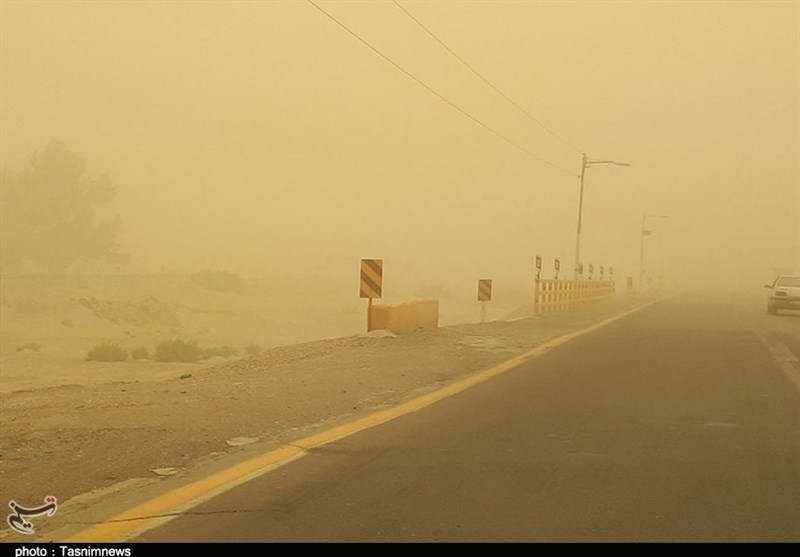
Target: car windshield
point(789, 281)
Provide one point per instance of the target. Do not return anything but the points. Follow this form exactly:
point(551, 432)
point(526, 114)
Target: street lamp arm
point(589, 163)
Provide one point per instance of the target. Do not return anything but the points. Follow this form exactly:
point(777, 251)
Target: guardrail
point(554, 295)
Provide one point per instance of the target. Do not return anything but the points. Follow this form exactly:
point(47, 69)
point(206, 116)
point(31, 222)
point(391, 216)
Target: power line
point(437, 94)
point(486, 81)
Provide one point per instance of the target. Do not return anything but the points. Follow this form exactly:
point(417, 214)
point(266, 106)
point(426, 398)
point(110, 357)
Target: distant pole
point(641, 254)
point(369, 315)
point(580, 217)
point(645, 232)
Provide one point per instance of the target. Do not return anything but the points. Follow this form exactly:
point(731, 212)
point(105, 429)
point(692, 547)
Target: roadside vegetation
point(177, 350)
point(107, 352)
point(30, 346)
point(140, 353)
point(172, 350)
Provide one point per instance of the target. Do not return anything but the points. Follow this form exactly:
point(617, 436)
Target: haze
point(263, 138)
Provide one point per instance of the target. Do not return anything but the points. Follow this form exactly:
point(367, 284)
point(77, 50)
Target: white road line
point(785, 359)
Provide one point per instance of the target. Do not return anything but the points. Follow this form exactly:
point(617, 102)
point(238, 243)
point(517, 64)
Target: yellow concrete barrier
point(405, 317)
point(552, 296)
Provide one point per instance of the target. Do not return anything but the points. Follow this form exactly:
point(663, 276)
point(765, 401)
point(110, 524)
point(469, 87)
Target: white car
point(784, 293)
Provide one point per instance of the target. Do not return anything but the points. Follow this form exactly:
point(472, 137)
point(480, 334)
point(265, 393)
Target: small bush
point(140, 353)
point(67, 323)
point(107, 352)
point(32, 346)
point(177, 351)
point(221, 281)
point(224, 351)
point(252, 349)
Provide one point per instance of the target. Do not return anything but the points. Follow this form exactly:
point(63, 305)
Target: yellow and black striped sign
point(484, 290)
point(371, 278)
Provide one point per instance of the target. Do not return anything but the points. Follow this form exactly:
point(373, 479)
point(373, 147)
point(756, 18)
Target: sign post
point(484, 295)
point(371, 284)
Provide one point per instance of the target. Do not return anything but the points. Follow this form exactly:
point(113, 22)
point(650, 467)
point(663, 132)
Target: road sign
point(558, 264)
point(539, 262)
point(591, 268)
point(371, 278)
point(602, 270)
point(484, 290)
point(580, 268)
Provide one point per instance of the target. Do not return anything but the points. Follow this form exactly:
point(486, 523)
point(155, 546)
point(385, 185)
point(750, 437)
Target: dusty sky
point(263, 138)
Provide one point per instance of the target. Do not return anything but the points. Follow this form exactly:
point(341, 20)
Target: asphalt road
point(679, 423)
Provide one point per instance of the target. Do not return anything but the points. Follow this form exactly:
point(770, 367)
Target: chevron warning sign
point(371, 278)
point(484, 290)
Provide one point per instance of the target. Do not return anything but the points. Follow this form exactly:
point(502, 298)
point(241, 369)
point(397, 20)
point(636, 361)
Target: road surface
point(678, 423)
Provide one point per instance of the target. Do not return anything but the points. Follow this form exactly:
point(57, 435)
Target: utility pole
point(586, 163)
point(641, 253)
point(645, 232)
point(580, 218)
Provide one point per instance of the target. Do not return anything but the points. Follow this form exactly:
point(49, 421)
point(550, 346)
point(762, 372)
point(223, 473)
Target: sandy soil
point(69, 440)
point(65, 316)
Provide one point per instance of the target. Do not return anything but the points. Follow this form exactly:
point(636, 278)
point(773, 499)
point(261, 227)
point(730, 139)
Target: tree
point(48, 213)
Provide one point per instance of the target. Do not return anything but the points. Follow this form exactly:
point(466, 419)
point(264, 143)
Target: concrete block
point(406, 317)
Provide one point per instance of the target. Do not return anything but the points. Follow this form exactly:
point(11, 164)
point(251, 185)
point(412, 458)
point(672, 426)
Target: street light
point(645, 232)
point(586, 163)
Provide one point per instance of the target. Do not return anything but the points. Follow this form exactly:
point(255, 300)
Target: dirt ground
point(61, 318)
point(75, 440)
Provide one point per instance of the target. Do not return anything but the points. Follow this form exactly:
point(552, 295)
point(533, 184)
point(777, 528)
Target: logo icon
point(17, 519)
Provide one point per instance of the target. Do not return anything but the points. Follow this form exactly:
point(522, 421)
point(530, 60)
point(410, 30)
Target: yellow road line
point(151, 513)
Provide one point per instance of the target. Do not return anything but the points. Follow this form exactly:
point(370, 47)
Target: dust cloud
point(264, 139)
point(188, 188)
